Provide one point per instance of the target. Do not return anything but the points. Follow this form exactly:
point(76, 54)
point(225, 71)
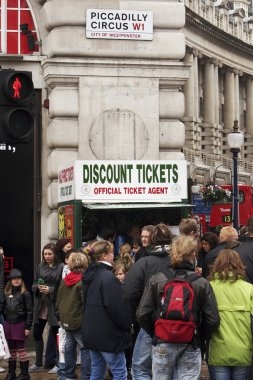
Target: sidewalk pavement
point(44, 375)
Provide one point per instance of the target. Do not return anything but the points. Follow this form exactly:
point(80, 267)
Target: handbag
point(4, 349)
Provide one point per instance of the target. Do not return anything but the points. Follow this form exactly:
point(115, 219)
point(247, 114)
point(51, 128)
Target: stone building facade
point(173, 97)
point(219, 47)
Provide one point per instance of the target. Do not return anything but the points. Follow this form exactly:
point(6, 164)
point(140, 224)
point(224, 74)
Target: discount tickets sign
point(123, 181)
point(119, 24)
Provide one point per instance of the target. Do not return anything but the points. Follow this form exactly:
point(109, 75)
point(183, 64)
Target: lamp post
point(235, 142)
point(215, 172)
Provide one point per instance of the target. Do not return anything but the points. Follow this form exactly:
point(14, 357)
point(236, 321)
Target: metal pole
point(235, 218)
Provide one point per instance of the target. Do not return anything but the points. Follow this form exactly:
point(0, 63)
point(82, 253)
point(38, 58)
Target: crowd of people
point(149, 305)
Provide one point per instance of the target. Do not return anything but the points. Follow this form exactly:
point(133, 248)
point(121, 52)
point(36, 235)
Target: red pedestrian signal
point(16, 87)
point(16, 106)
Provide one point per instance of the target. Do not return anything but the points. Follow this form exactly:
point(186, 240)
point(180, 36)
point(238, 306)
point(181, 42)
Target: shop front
point(119, 194)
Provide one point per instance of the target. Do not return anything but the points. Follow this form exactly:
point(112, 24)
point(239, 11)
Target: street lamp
point(235, 142)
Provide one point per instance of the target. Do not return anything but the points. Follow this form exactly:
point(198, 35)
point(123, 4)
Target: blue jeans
point(228, 373)
point(142, 357)
point(74, 337)
point(175, 361)
point(116, 362)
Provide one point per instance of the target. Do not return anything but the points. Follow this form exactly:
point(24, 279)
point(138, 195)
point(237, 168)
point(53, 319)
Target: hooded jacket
point(158, 260)
point(70, 301)
point(106, 319)
point(231, 344)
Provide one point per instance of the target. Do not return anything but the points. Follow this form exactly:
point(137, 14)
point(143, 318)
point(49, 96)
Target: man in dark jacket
point(228, 235)
point(136, 279)
point(107, 318)
point(145, 233)
point(245, 251)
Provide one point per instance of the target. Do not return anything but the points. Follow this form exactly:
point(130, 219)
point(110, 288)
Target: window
point(227, 200)
point(12, 14)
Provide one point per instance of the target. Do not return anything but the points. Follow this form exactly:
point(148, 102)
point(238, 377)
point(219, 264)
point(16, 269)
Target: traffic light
point(16, 106)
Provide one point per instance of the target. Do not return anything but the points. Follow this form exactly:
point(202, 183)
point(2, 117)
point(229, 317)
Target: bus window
point(228, 200)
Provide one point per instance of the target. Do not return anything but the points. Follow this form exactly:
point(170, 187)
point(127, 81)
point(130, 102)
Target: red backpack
point(178, 308)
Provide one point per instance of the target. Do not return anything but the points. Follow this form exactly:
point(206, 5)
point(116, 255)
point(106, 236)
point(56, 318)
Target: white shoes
point(53, 370)
point(35, 368)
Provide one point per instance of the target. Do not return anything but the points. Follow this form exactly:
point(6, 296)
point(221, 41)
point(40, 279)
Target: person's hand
point(43, 289)
point(198, 270)
point(27, 332)
point(40, 287)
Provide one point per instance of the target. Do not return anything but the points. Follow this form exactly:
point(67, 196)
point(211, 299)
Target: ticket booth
point(95, 194)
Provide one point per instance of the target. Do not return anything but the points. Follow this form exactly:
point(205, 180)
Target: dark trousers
point(51, 354)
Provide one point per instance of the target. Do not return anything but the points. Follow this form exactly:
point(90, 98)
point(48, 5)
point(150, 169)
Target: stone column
point(217, 66)
point(209, 91)
point(229, 99)
point(249, 105)
point(237, 96)
point(196, 55)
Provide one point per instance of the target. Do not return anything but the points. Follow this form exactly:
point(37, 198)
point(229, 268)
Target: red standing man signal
point(16, 87)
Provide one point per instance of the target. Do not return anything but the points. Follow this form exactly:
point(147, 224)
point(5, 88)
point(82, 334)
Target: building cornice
point(201, 26)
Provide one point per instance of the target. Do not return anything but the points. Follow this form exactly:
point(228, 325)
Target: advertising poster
point(66, 223)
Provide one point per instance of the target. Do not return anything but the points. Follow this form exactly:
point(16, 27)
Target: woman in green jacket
point(230, 349)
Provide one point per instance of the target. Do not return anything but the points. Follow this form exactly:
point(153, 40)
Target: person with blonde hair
point(70, 306)
point(106, 317)
point(228, 239)
point(230, 348)
point(179, 360)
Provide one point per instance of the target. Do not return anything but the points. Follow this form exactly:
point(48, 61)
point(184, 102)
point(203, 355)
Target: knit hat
point(61, 243)
point(15, 273)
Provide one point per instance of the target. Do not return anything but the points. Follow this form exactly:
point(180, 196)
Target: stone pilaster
point(237, 95)
point(229, 99)
point(189, 88)
point(249, 105)
point(248, 144)
point(209, 91)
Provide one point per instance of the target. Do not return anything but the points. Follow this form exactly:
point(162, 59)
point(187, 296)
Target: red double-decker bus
point(221, 211)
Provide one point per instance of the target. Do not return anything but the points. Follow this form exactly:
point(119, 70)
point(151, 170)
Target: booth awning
point(126, 206)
